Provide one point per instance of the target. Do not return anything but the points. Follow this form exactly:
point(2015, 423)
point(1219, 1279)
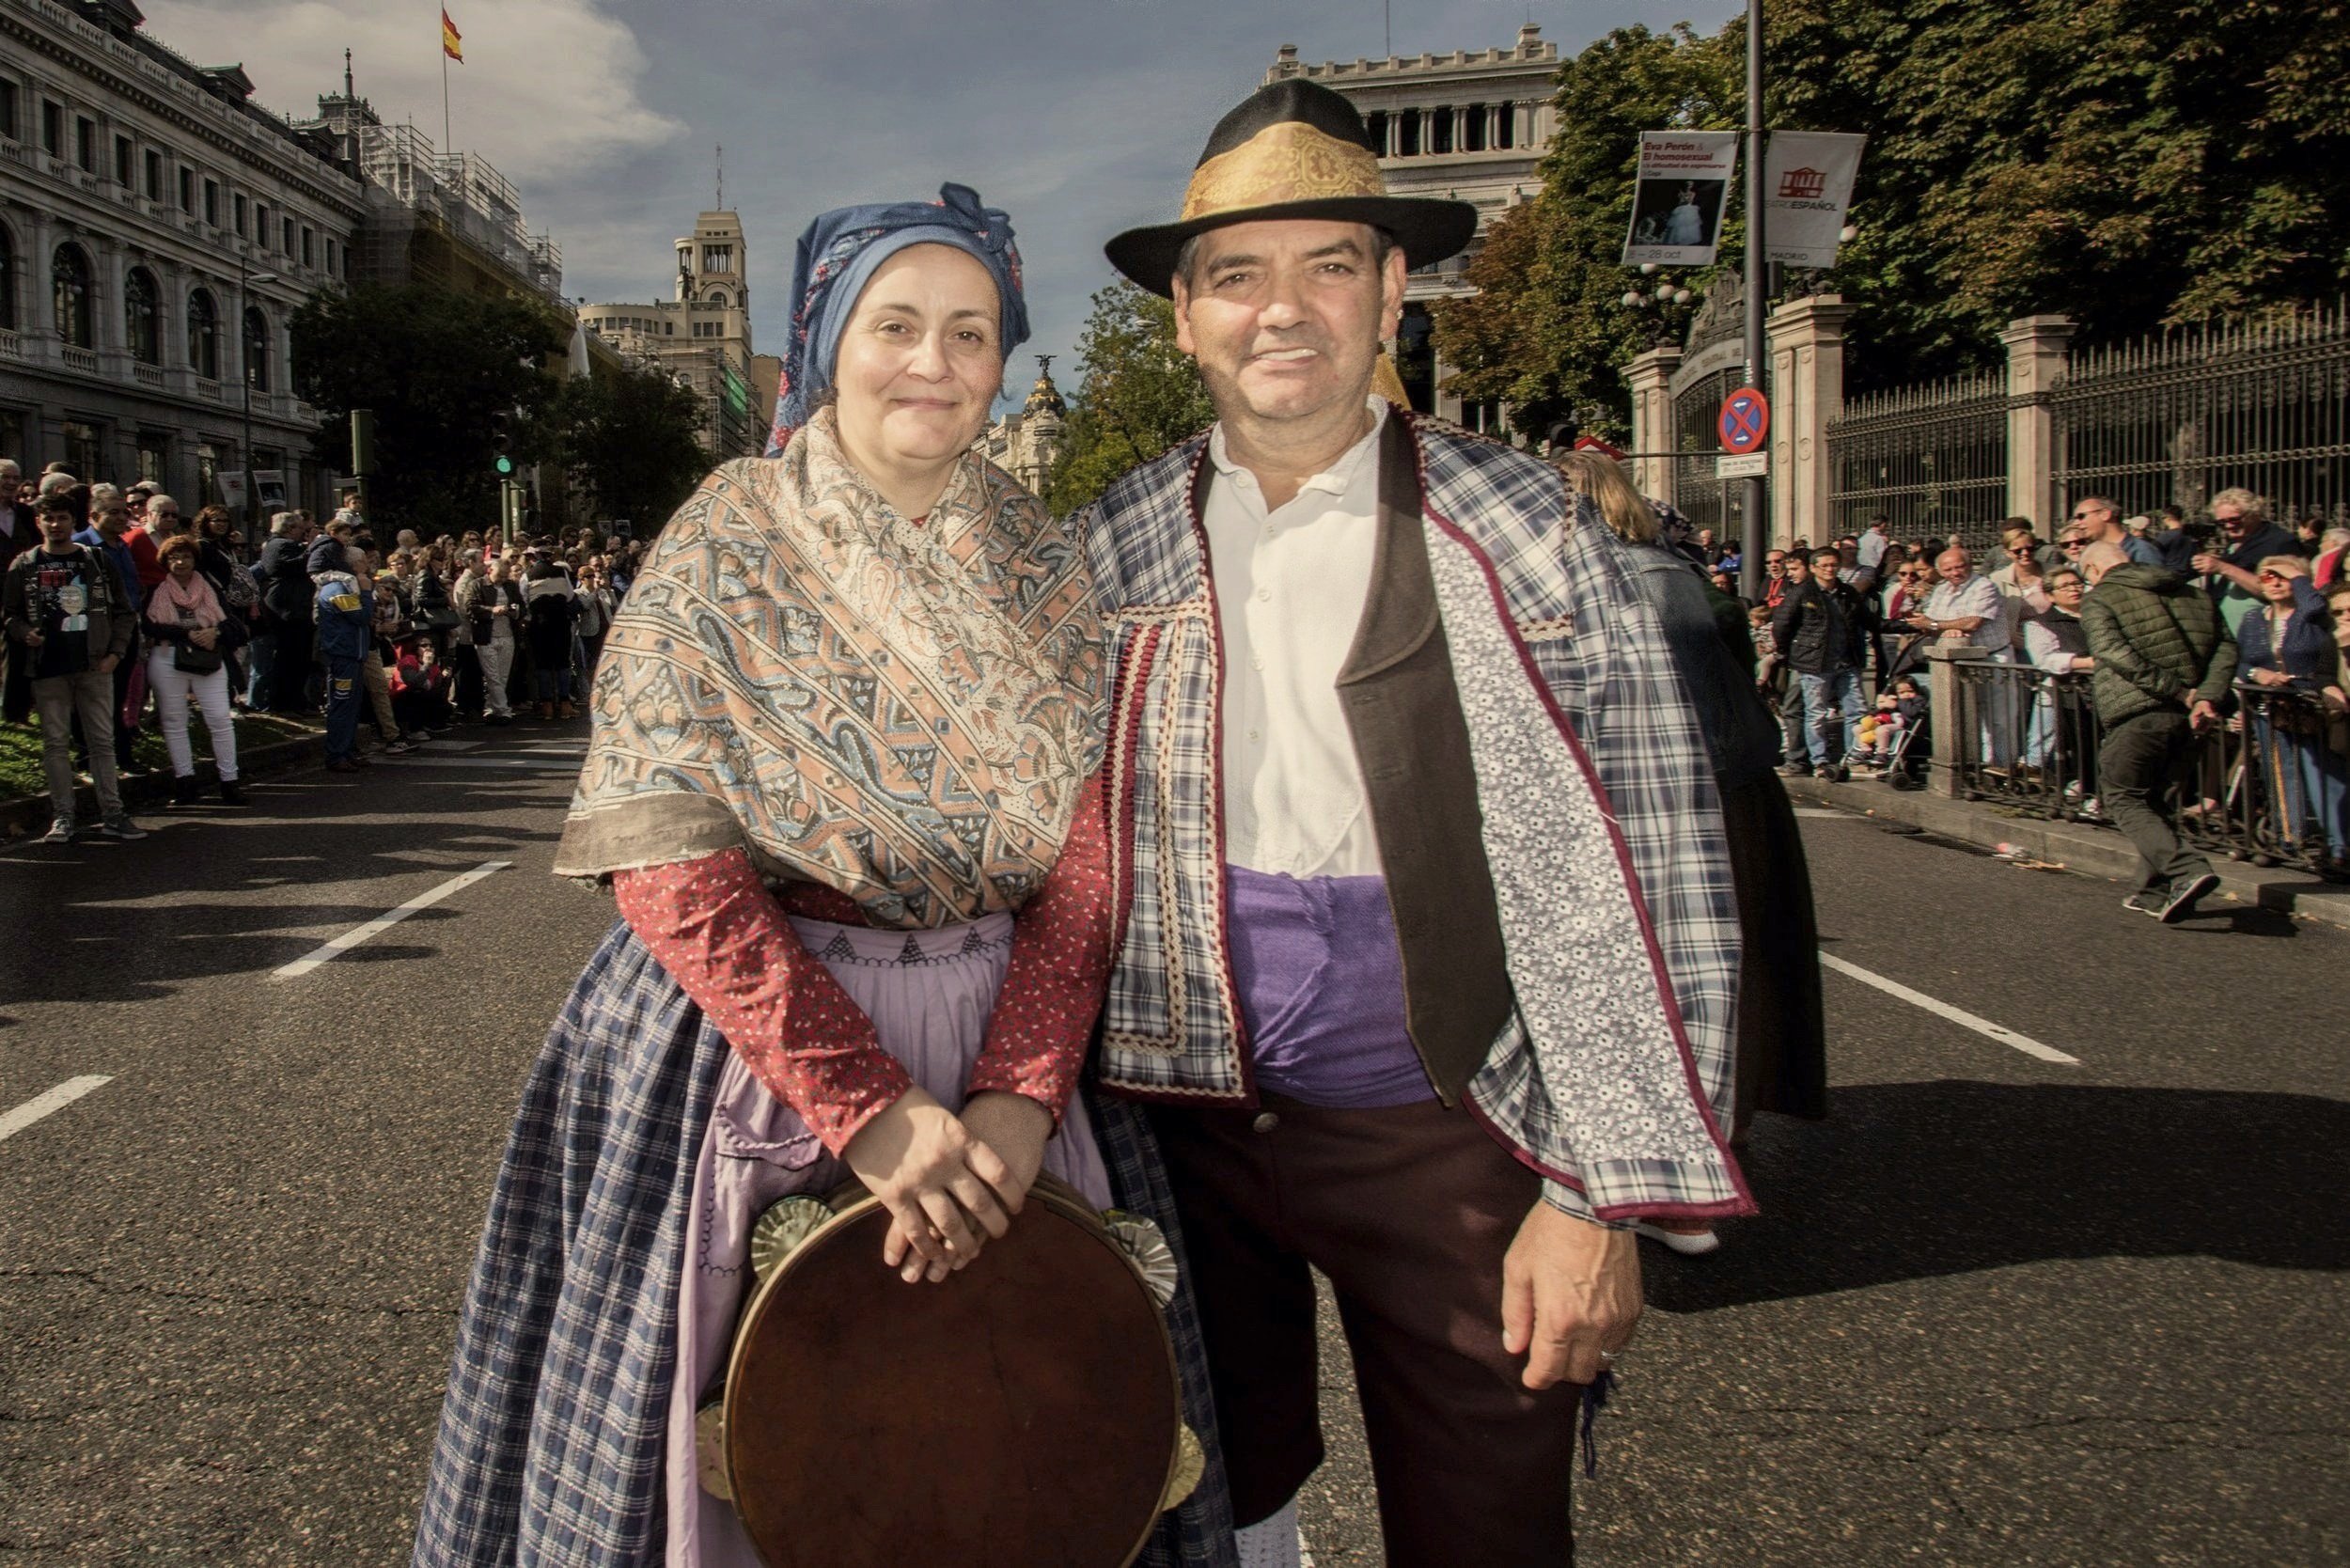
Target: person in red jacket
point(420, 685)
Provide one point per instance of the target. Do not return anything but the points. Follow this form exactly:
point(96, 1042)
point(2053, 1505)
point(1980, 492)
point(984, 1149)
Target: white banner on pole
point(1677, 202)
point(232, 486)
point(1806, 181)
point(269, 489)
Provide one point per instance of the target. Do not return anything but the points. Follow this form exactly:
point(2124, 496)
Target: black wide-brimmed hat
point(1294, 150)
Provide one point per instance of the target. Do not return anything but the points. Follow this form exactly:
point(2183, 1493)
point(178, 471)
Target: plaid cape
point(1612, 873)
point(550, 1446)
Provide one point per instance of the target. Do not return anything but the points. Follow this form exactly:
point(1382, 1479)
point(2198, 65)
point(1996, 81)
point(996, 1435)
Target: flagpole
point(449, 142)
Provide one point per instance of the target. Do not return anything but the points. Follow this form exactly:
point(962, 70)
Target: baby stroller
point(1913, 748)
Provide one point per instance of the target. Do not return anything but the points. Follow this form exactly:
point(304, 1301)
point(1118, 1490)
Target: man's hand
point(939, 1184)
point(2205, 563)
point(1570, 1289)
point(2202, 715)
point(106, 663)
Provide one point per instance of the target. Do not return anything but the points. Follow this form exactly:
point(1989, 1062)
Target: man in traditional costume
point(841, 785)
point(1426, 946)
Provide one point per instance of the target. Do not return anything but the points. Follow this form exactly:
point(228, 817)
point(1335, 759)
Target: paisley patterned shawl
point(903, 712)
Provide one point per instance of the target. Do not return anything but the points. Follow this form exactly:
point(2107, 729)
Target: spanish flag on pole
point(453, 41)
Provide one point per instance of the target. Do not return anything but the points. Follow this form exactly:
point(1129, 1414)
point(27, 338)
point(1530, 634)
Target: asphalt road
point(1999, 1310)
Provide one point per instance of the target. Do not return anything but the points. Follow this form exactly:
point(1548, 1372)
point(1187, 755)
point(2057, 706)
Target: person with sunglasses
point(2230, 564)
point(2288, 646)
point(2100, 523)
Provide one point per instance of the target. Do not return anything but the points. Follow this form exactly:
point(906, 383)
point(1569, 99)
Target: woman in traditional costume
point(841, 785)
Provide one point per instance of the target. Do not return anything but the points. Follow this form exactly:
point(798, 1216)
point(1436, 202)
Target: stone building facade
point(703, 335)
point(1470, 126)
point(1025, 443)
point(158, 229)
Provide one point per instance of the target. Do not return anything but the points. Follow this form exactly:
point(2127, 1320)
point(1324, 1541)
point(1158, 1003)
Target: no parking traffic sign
point(1745, 419)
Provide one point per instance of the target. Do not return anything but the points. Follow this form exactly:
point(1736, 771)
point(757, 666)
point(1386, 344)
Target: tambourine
point(1022, 1413)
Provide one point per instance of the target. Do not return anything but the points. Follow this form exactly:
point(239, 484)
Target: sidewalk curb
point(30, 814)
point(2089, 851)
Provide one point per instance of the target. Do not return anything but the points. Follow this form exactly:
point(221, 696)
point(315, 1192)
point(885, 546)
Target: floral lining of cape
point(906, 711)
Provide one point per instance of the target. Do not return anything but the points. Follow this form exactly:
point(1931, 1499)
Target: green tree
point(631, 442)
point(2133, 166)
point(434, 366)
point(1547, 332)
point(1139, 395)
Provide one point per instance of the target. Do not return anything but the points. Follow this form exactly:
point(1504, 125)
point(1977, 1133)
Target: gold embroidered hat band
point(1294, 150)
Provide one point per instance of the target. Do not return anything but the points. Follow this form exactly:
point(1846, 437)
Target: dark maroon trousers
point(1409, 1212)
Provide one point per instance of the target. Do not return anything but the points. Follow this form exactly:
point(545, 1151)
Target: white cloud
point(548, 87)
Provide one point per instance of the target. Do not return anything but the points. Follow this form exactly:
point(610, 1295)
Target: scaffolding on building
point(460, 197)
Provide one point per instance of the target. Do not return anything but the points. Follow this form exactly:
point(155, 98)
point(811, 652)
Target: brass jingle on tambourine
point(710, 1450)
point(1145, 1245)
point(1191, 1462)
point(780, 1230)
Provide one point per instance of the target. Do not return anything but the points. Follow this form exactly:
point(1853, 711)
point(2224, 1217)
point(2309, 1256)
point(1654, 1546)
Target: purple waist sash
point(1320, 981)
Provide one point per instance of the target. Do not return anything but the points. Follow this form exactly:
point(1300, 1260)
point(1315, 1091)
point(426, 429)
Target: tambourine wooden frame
point(853, 1204)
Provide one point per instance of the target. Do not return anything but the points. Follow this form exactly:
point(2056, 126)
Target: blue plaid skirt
point(550, 1446)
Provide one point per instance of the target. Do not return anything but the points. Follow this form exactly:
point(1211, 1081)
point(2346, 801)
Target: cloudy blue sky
point(1079, 117)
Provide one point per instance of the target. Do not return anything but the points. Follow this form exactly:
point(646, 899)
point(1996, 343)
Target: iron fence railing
point(2173, 420)
point(1931, 459)
point(2029, 737)
point(2270, 784)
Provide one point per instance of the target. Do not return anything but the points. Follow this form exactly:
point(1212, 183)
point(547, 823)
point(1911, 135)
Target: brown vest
point(1413, 746)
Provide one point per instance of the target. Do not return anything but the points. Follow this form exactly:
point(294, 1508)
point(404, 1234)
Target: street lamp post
point(1755, 534)
point(244, 362)
point(1663, 312)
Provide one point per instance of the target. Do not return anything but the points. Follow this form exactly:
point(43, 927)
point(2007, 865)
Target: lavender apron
point(929, 993)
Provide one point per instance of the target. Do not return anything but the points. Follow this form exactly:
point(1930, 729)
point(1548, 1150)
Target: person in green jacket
point(2164, 662)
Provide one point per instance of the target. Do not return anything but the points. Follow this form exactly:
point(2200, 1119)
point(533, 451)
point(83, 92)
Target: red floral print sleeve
point(726, 941)
point(1060, 959)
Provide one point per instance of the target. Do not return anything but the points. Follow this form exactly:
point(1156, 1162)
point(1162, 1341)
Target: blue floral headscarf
point(840, 253)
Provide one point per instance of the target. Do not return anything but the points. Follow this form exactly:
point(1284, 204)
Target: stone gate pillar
point(2036, 347)
point(1807, 343)
point(1652, 437)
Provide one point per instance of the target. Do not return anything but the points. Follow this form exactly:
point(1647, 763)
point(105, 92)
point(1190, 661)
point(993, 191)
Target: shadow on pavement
point(2239, 920)
point(1922, 1180)
point(101, 923)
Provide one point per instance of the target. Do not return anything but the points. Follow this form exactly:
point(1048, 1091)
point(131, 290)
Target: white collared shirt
point(1290, 590)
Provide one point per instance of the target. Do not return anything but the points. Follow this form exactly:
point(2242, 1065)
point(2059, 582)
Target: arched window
point(203, 335)
point(142, 317)
point(718, 298)
point(256, 348)
point(7, 280)
point(70, 296)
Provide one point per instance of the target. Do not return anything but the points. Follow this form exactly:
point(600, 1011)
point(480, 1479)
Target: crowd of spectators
point(1844, 629)
point(122, 608)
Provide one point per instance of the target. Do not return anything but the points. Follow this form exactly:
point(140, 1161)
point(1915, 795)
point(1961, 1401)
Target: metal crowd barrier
point(2028, 737)
point(2270, 784)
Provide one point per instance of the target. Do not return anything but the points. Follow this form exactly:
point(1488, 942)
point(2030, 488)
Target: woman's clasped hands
point(950, 1182)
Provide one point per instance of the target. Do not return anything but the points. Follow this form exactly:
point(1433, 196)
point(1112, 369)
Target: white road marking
point(1824, 812)
point(1958, 1015)
point(384, 923)
point(52, 1099)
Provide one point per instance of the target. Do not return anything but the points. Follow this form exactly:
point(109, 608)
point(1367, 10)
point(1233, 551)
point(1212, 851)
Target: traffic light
point(502, 442)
